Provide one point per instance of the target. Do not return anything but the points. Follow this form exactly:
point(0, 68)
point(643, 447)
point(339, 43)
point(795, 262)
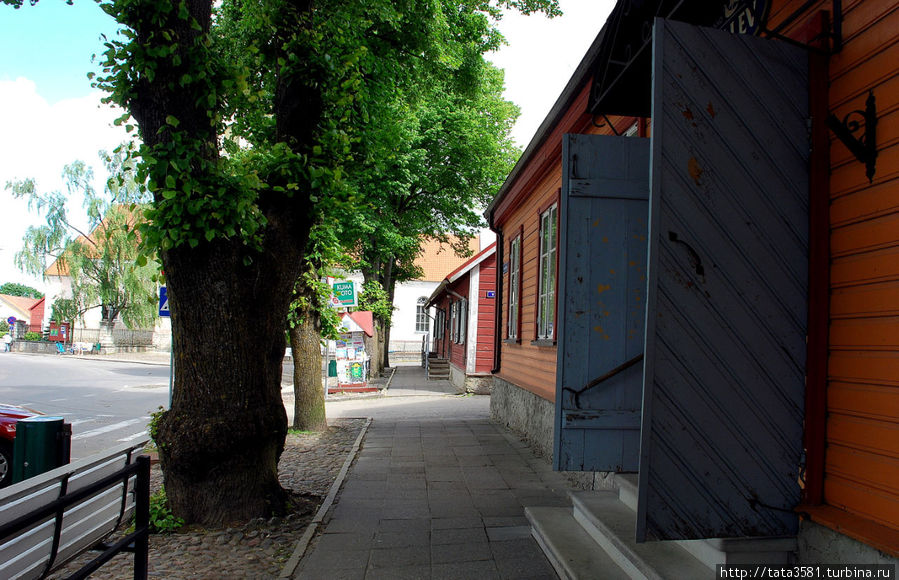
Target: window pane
point(547, 276)
point(514, 276)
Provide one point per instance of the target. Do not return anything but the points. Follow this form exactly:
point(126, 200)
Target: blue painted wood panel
point(728, 260)
point(602, 290)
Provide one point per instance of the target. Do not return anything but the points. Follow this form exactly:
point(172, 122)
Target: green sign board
point(343, 295)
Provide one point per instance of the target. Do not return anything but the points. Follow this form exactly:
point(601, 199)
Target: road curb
point(390, 378)
point(300, 550)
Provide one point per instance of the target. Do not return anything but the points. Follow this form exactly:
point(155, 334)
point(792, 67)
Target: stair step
point(627, 489)
point(570, 550)
point(772, 551)
point(612, 525)
point(716, 551)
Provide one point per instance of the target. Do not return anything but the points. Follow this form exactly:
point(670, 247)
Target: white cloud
point(37, 140)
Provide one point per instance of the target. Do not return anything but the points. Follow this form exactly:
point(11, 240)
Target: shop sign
point(744, 16)
point(343, 295)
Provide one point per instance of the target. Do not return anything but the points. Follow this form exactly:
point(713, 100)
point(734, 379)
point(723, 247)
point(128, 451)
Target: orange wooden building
point(728, 278)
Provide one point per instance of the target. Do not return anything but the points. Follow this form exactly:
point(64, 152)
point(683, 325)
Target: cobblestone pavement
point(258, 550)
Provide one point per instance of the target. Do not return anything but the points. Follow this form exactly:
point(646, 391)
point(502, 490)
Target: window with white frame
point(546, 296)
point(514, 290)
point(421, 315)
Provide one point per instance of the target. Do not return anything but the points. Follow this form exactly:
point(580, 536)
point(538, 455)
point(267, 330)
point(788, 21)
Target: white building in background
point(411, 320)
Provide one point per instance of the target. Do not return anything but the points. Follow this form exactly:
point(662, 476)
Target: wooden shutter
point(725, 344)
point(602, 261)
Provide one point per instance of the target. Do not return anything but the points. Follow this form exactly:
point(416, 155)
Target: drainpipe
point(497, 310)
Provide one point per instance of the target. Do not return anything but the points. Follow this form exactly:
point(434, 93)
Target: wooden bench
point(48, 520)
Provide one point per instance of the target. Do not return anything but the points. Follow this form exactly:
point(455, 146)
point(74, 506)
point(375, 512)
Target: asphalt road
point(107, 402)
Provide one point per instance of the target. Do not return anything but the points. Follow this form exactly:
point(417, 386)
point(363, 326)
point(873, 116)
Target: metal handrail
point(602, 378)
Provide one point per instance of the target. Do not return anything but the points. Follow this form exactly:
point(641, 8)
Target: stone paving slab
point(451, 506)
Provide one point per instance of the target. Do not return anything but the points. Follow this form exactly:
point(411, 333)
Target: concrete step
point(714, 551)
point(780, 551)
point(612, 526)
point(570, 550)
point(627, 489)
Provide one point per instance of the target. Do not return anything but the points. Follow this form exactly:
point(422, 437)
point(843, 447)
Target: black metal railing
point(136, 542)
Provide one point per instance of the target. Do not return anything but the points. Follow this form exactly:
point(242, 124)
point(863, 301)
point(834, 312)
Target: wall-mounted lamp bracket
point(863, 147)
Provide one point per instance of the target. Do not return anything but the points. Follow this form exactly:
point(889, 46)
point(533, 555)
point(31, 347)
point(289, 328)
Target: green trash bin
point(42, 443)
point(332, 368)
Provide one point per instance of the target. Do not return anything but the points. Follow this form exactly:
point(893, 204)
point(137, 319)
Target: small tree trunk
point(309, 395)
point(371, 349)
point(390, 286)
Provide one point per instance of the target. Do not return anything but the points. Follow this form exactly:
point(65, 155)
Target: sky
point(50, 115)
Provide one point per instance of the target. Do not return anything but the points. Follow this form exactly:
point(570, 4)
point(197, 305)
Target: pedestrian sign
point(163, 302)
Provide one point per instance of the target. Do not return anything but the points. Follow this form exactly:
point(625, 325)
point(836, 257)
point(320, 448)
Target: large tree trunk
point(309, 394)
point(221, 439)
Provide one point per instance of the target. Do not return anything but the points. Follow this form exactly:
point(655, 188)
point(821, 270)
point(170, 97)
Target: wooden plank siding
point(458, 352)
point(486, 328)
point(861, 471)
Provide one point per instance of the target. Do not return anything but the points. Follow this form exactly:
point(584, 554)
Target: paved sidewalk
point(433, 497)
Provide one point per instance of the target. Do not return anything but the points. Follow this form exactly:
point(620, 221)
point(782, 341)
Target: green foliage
point(293, 431)
point(33, 336)
point(373, 297)
point(162, 520)
point(104, 264)
point(16, 289)
point(153, 425)
point(4, 327)
point(260, 118)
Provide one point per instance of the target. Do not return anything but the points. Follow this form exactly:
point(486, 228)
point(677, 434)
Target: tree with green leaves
point(101, 261)
point(435, 167)
point(248, 111)
point(17, 289)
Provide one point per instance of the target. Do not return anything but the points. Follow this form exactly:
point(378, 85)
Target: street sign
point(163, 302)
point(344, 294)
point(11, 320)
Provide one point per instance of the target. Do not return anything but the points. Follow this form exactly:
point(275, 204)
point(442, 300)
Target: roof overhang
point(622, 73)
point(619, 61)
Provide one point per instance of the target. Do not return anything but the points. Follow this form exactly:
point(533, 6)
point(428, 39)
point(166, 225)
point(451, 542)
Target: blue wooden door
point(602, 286)
point(728, 259)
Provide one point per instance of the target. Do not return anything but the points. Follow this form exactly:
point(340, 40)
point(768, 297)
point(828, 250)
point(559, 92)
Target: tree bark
point(390, 286)
point(309, 394)
point(221, 439)
point(373, 351)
